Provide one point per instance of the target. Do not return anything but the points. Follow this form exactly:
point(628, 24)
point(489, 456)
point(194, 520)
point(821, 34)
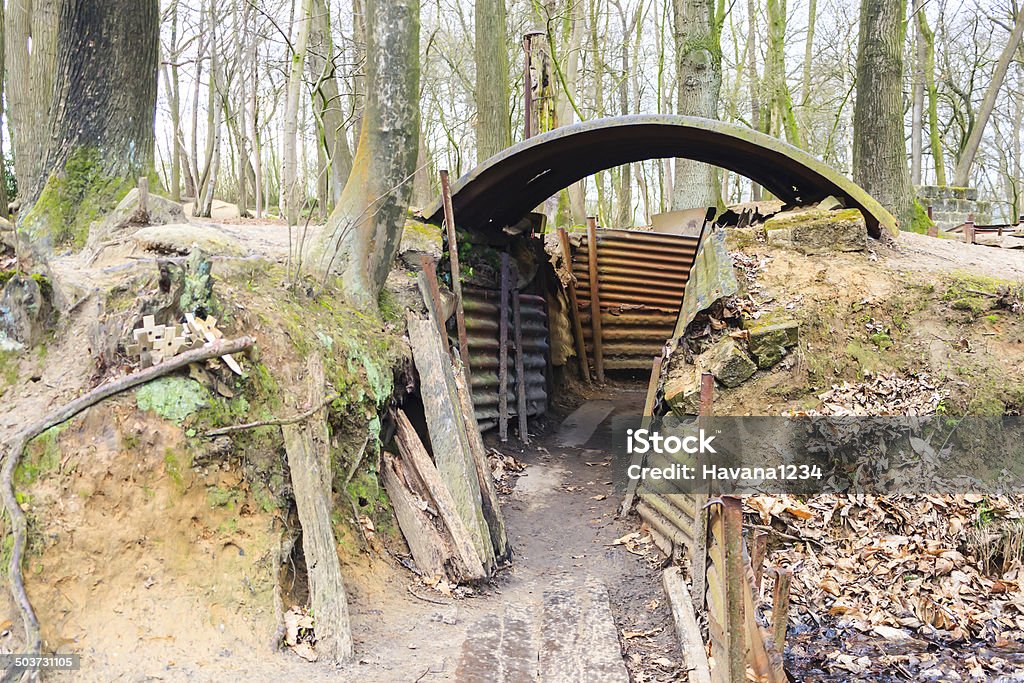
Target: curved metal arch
point(508, 186)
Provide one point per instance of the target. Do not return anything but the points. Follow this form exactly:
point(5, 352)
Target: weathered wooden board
point(691, 644)
point(428, 547)
point(433, 485)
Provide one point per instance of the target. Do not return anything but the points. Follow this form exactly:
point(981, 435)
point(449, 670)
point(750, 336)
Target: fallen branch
point(274, 422)
point(33, 642)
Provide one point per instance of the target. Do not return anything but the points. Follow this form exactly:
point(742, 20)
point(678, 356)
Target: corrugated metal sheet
point(483, 314)
point(642, 277)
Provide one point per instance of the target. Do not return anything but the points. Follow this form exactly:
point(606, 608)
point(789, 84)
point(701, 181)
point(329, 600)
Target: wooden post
point(577, 325)
point(527, 89)
point(144, 195)
point(595, 298)
point(759, 546)
point(430, 277)
point(503, 350)
point(691, 643)
point(699, 557)
point(933, 230)
point(517, 334)
point(453, 255)
point(735, 584)
point(780, 607)
point(969, 229)
point(638, 458)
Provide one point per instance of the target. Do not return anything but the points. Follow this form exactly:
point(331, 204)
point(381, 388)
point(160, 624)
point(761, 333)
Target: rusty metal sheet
point(505, 188)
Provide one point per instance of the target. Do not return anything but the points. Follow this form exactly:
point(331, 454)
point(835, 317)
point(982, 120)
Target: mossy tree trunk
point(698, 27)
point(362, 234)
point(927, 38)
point(879, 149)
point(101, 117)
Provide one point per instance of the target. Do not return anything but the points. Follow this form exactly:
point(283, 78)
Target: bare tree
point(493, 132)
point(879, 152)
point(291, 192)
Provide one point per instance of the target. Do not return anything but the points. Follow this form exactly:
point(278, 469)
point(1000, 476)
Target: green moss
point(967, 292)
point(172, 398)
point(223, 497)
point(881, 340)
point(867, 359)
point(781, 222)
point(42, 455)
point(175, 468)
point(6, 275)
point(390, 310)
point(8, 369)
point(919, 221)
point(73, 198)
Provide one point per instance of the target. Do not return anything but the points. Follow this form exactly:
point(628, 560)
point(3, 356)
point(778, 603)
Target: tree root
point(33, 641)
point(276, 422)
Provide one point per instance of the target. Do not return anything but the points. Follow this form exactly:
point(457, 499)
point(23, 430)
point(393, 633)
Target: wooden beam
point(595, 298)
point(699, 556)
point(691, 643)
point(428, 547)
point(574, 313)
point(517, 334)
point(735, 583)
point(503, 313)
point(433, 294)
point(453, 255)
point(638, 458)
point(758, 548)
point(780, 607)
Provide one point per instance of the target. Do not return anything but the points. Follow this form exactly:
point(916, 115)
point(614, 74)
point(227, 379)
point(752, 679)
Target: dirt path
point(930, 254)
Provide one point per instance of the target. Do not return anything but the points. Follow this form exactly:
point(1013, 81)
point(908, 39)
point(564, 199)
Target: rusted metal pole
point(577, 325)
point(780, 607)
point(699, 558)
point(969, 229)
point(453, 255)
point(517, 330)
point(735, 584)
point(503, 312)
point(595, 298)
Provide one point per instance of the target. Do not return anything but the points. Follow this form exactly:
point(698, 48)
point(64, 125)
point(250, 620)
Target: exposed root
point(277, 422)
point(33, 641)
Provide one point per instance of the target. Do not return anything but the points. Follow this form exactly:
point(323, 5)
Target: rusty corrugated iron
point(483, 313)
point(642, 277)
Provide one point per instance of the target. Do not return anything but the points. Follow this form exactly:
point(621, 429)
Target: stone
point(682, 389)
point(728, 362)
point(767, 342)
point(26, 309)
point(181, 238)
point(815, 231)
point(127, 216)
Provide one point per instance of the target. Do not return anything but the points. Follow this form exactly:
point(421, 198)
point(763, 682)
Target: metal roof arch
point(502, 190)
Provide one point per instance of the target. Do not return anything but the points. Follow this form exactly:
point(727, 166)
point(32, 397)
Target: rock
point(682, 389)
point(830, 203)
point(26, 309)
point(127, 216)
point(816, 231)
point(767, 342)
point(180, 238)
point(728, 362)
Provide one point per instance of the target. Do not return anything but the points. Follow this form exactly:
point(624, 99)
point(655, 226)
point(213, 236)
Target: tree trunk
point(879, 151)
point(752, 82)
point(917, 103)
point(493, 132)
point(102, 116)
point(962, 175)
point(805, 87)
point(327, 101)
point(291, 196)
point(29, 79)
point(3, 162)
point(778, 118)
point(934, 137)
point(361, 236)
point(174, 102)
point(699, 70)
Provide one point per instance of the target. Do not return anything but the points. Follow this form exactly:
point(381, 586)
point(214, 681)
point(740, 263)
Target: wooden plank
point(517, 335)
point(762, 655)
point(491, 506)
point(691, 644)
point(428, 547)
point(415, 455)
point(448, 437)
point(453, 255)
point(432, 295)
point(758, 548)
point(638, 458)
point(595, 298)
point(780, 607)
point(698, 558)
point(307, 447)
point(574, 305)
point(503, 313)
